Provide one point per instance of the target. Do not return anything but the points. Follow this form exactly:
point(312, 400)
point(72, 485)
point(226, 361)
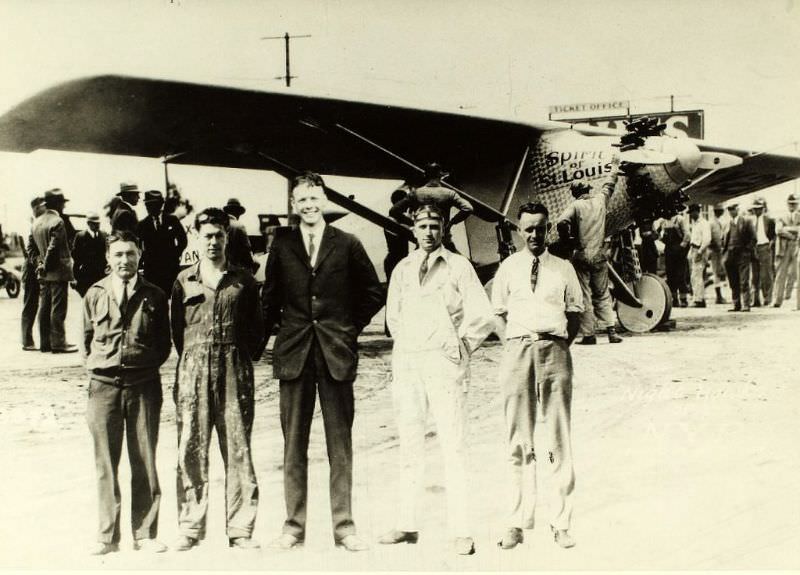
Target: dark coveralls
point(439, 196)
point(123, 354)
point(217, 333)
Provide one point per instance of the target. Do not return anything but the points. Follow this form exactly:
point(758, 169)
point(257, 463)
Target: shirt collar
point(440, 252)
point(318, 232)
point(133, 284)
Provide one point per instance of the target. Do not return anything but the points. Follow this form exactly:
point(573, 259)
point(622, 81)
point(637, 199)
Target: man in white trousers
point(438, 314)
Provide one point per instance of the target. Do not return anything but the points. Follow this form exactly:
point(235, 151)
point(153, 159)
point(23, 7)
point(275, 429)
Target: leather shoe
point(104, 548)
point(352, 543)
point(65, 349)
point(511, 539)
point(184, 543)
point(247, 543)
point(149, 545)
point(587, 340)
point(464, 546)
point(285, 542)
point(563, 539)
point(397, 536)
point(30, 347)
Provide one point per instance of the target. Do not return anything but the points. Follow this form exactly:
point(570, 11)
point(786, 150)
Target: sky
point(739, 60)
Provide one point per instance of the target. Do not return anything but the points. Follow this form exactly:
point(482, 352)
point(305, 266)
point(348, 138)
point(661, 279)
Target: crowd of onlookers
point(755, 252)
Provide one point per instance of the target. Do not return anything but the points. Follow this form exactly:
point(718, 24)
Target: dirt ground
point(685, 447)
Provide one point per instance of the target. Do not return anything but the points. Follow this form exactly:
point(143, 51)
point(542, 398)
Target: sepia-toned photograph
point(358, 285)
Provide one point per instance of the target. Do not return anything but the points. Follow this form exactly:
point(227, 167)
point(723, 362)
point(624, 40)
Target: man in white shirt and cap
point(699, 240)
point(438, 314)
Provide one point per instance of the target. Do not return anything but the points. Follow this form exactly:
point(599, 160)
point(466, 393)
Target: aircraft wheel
point(656, 305)
point(12, 286)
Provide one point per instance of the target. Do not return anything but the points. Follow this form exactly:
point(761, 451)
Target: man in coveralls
point(438, 313)
point(538, 301)
point(126, 339)
point(217, 330)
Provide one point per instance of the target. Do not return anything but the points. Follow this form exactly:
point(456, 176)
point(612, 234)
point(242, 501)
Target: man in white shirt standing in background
point(538, 301)
point(700, 239)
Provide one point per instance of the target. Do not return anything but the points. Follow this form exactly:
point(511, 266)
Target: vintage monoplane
point(496, 164)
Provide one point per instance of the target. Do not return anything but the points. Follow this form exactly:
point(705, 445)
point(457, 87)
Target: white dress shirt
point(117, 287)
point(543, 311)
point(700, 233)
point(318, 232)
point(761, 233)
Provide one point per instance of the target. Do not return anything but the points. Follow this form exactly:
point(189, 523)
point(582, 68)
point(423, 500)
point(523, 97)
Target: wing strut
point(484, 211)
point(346, 202)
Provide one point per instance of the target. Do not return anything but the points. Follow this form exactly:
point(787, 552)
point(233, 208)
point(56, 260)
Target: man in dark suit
point(54, 273)
point(738, 246)
point(89, 254)
point(762, 257)
point(238, 250)
point(163, 241)
point(323, 290)
point(123, 215)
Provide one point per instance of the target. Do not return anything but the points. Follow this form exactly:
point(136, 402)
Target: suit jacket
point(741, 235)
point(238, 251)
point(89, 256)
point(330, 303)
point(162, 248)
point(50, 238)
point(124, 218)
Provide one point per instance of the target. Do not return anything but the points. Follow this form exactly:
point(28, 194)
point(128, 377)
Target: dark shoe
point(563, 539)
point(45, 349)
point(587, 340)
point(735, 308)
point(149, 545)
point(699, 304)
point(612, 336)
point(246, 543)
point(184, 543)
point(511, 539)
point(396, 536)
point(756, 304)
point(104, 548)
point(285, 542)
point(65, 349)
point(777, 304)
point(464, 546)
point(720, 299)
point(30, 347)
point(352, 543)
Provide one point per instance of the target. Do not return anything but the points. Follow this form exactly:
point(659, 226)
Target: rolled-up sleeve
point(573, 296)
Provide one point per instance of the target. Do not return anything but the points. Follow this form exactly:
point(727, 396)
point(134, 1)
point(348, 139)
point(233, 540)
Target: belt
point(540, 337)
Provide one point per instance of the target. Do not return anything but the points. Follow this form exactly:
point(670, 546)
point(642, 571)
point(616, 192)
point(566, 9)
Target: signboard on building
point(590, 109)
point(680, 124)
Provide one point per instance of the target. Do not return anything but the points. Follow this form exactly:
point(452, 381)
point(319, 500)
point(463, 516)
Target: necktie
point(123, 302)
point(423, 269)
point(534, 273)
point(311, 249)
point(156, 223)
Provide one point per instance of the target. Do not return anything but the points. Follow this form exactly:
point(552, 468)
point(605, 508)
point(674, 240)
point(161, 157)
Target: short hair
point(533, 208)
point(212, 216)
point(122, 236)
point(307, 179)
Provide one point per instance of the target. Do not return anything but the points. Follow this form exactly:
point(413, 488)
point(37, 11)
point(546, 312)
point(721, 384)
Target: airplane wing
point(756, 172)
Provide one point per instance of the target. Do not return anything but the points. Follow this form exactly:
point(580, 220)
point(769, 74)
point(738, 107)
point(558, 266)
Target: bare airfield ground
point(685, 443)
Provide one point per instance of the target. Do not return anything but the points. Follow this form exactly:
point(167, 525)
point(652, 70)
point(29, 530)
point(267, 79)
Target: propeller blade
point(718, 160)
point(643, 156)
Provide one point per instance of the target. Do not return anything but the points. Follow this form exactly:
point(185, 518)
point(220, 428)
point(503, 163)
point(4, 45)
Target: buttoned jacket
point(330, 303)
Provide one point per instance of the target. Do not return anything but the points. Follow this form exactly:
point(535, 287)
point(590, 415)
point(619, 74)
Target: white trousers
point(426, 381)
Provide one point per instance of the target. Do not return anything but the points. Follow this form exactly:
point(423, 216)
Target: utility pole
point(288, 77)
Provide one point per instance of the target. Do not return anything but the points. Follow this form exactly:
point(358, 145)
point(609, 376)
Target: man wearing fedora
point(123, 214)
point(163, 240)
point(30, 283)
point(762, 257)
point(89, 254)
point(54, 273)
point(788, 231)
point(738, 246)
point(238, 251)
